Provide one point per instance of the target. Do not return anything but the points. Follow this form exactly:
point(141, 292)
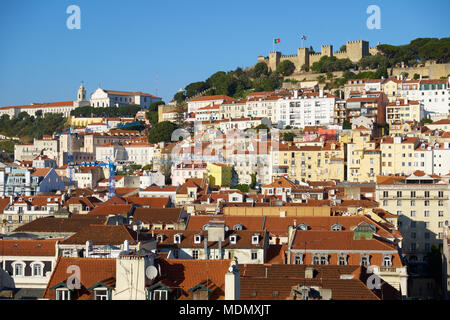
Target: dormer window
point(238, 227)
point(302, 226)
point(255, 239)
point(197, 238)
point(233, 239)
point(177, 238)
point(159, 237)
point(365, 260)
point(336, 227)
point(342, 261)
point(387, 261)
point(298, 258)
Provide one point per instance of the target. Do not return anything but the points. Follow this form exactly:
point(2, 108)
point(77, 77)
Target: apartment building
point(397, 155)
point(310, 163)
point(363, 157)
point(371, 105)
point(306, 109)
point(432, 158)
point(404, 110)
point(421, 202)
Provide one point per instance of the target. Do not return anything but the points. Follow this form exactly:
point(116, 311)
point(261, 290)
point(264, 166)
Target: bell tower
point(81, 93)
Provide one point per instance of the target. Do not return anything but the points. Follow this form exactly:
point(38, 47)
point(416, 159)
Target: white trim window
point(18, 269)
point(159, 294)
point(365, 260)
point(101, 294)
point(387, 261)
point(37, 269)
point(298, 258)
point(63, 294)
point(342, 260)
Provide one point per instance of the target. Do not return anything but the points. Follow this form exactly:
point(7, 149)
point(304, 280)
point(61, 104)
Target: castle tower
point(302, 58)
point(81, 93)
point(327, 50)
point(274, 60)
point(357, 49)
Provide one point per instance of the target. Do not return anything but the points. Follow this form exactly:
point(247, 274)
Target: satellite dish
point(151, 272)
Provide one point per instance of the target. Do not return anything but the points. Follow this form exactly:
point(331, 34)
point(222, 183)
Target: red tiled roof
point(93, 270)
point(42, 248)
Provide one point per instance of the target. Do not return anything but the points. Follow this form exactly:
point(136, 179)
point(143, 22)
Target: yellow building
point(397, 155)
point(219, 174)
point(404, 110)
point(310, 163)
point(391, 88)
point(363, 157)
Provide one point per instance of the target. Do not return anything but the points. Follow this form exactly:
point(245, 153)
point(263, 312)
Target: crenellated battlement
point(355, 50)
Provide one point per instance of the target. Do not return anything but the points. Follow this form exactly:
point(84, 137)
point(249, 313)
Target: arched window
point(336, 227)
point(302, 226)
point(238, 227)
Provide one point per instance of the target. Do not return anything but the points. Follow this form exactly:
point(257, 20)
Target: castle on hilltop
point(355, 51)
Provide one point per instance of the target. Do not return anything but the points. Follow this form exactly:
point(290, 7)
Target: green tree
point(162, 131)
point(343, 48)
point(427, 120)
point(321, 79)
point(179, 97)
point(154, 105)
point(253, 177)
point(416, 76)
point(346, 125)
point(286, 68)
point(288, 136)
point(260, 69)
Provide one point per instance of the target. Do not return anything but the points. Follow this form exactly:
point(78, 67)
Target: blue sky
point(161, 46)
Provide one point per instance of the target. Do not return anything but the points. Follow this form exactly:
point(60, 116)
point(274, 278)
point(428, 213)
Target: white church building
point(111, 98)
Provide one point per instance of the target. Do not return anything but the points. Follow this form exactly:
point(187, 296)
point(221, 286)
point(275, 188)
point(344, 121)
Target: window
point(177, 238)
point(387, 261)
point(19, 269)
point(62, 294)
point(255, 239)
point(440, 213)
point(316, 260)
point(342, 260)
point(159, 294)
point(101, 294)
point(413, 213)
point(298, 259)
point(365, 260)
point(194, 254)
point(233, 239)
point(197, 238)
point(323, 260)
point(427, 194)
point(336, 227)
point(427, 203)
point(426, 213)
point(254, 255)
point(37, 269)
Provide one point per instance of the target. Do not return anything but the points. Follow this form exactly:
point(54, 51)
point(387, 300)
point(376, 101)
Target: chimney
point(233, 282)
point(295, 94)
point(321, 93)
point(309, 273)
point(88, 247)
point(220, 248)
point(126, 246)
point(205, 248)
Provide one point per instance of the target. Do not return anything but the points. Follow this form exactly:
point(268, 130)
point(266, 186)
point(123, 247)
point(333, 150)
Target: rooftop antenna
point(156, 84)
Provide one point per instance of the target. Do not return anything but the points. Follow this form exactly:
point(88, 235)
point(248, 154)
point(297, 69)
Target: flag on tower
point(303, 37)
point(277, 40)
